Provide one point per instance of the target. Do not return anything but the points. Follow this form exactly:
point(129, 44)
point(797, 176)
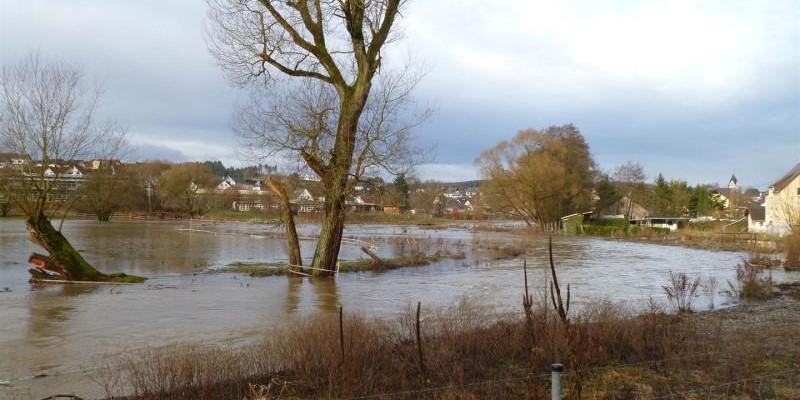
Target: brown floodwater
point(53, 336)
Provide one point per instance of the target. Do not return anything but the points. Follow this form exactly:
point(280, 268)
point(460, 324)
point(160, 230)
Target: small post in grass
point(419, 341)
point(555, 381)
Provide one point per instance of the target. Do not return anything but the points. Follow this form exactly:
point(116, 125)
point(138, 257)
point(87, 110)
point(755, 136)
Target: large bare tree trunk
point(338, 46)
point(64, 259)
point(287, 218)
point(330, 237)
point(336, 179)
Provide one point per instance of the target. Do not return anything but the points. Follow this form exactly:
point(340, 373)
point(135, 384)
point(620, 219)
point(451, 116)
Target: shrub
point(681, 290)
point(751, 283)
point(791, 245)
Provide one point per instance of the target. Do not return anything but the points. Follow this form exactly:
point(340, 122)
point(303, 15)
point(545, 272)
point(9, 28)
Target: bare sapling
point(681, 290)
point(562, 309)
point(711, 290)
point(47, 119)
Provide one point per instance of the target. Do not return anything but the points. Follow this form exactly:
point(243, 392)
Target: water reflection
point(293, 294)
point(327, 295)
point(50, 306)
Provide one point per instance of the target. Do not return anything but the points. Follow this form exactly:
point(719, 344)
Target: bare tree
point(103, 193)
point(630, 179)
point(47, 118)
point(329, 115)
point(183, 184)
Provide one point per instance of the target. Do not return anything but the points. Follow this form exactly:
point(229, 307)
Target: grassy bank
point(690, 237)
point(750, 351)
point(364, 264)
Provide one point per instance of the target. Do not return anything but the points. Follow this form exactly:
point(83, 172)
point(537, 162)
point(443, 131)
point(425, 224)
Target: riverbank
point(704, 240)
point(746, 351)
point(269, 218)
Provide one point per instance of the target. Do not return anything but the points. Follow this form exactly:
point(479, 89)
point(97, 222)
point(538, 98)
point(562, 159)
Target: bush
point(621, 223)
point(600, 230)
point(791, 245)
point(681, 290)
point(751, 284)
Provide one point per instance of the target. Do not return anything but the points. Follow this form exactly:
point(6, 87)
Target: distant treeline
point(240, 173)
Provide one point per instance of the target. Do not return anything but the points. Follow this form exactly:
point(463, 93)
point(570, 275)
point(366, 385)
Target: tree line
point(540, 176)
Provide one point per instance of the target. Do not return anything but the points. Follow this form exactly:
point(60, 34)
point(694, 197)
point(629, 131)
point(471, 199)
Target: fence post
point(555, 381)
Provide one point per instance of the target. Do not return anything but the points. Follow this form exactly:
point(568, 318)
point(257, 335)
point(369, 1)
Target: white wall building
point(782, 203)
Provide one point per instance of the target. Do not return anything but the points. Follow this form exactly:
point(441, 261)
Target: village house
point(100, 163)
point(226, 183)
point(670, 223)
point(63, 181)
point(727, 196)
point(445, 204)
point(623, 208)
point(756, 219)
point(782, 203)
point(357, 204)
point(12, 160)
point(304, 201)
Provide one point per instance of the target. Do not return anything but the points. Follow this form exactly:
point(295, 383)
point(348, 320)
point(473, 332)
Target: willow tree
point(539, 176)
point(47, 120)
point(317, 63)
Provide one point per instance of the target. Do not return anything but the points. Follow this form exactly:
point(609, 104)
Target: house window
point(798, 191)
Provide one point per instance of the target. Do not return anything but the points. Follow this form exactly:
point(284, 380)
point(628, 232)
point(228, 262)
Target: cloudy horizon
point(693, 90)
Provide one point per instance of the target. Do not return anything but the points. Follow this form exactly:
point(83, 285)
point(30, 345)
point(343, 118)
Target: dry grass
point(465, 352)
point(752, 283)
point(791, 246)
point(461, 346)
point(412, 260)
point(706, 240)
point(472, 353)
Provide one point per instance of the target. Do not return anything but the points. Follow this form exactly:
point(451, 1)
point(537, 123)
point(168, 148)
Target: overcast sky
point(696, 90)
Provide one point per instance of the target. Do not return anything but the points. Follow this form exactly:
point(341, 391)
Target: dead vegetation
point(752, 283)
point(412, 260)
point(476, 354)
point(791, 247)
point(466, 352)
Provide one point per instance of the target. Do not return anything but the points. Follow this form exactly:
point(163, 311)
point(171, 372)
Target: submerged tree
point(332, 114)
point(183, 183)
point(539, 176)
point(47, 119)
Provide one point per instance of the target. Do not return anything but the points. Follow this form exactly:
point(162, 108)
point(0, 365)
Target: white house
point(724, 195)
point(303, 195)
point(670, 223)
point(782, 203)
point(226, 183)
point(74, 171)
point(756, 219)
point(12, 160)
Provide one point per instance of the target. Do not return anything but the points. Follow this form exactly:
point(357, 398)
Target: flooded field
point(51, 335)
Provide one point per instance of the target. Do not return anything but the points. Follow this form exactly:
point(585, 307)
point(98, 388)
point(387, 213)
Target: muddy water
point(60, 331)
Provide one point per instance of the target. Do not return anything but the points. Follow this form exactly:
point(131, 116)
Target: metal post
point(555, 381)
